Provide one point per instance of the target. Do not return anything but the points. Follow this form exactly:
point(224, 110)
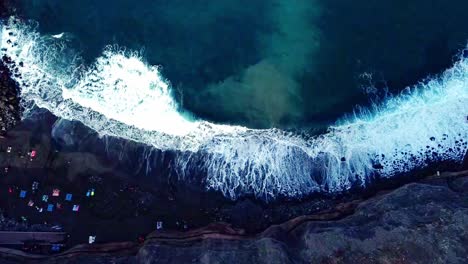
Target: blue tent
point(68, 197)
point(55, 247)
point(22, 194)
point(50, 207)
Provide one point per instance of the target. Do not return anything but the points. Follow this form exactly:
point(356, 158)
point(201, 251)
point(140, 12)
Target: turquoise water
point(197, 80)
point(266, 63)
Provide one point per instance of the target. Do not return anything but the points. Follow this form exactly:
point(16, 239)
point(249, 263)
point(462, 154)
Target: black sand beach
point(60, 176)
point(126, 204)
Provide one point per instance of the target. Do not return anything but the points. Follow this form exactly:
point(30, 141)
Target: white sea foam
point(58, 36)
point(122, 96)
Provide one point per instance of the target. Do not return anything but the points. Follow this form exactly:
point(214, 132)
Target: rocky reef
point(9, 101)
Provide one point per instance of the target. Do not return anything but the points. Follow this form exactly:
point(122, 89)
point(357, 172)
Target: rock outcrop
point(424, 222)
point(9, 101)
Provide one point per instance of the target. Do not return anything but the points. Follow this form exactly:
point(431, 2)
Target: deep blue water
point(263, 64)
point(322, 52)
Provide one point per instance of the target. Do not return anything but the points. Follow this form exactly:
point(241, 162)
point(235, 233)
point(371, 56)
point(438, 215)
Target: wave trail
point(120, 95)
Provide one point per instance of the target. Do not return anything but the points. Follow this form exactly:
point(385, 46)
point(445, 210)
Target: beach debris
point(91, 239)
point(8, 149)
point(56, 192)
point(76, 208)
point(68, 197)
point(50, 207)
point(31, 203)
point(59, 206)
point(45, 198)
point(159, 225)
point(33, 154)
point(22, 194)
point(24, 219)
point(10, 190)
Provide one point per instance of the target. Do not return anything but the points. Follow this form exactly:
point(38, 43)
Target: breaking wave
point(120, 95)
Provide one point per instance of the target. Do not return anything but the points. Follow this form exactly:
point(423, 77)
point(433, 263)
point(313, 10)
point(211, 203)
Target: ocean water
point(221, 84)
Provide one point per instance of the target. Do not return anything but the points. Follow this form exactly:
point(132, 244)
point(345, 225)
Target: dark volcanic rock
point(9, 224)
point(417, 223)
point(9, 102)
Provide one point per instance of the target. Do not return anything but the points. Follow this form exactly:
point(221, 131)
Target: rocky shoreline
point(423, 222)
point(389, 227)
point(10, 112)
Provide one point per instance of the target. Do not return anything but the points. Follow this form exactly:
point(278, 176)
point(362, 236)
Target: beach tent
point(90, 192)
point(56, 192)
point(68, 197)
point(55, 247)
point(22, 194)
point(50, 207)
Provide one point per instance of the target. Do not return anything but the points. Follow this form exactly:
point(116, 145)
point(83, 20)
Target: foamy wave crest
point(122, 96)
